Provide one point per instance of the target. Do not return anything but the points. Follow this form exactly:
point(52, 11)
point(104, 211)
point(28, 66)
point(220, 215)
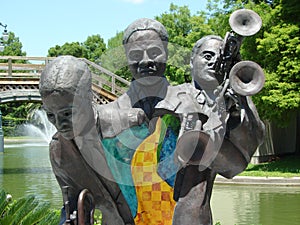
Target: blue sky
point(41, 25)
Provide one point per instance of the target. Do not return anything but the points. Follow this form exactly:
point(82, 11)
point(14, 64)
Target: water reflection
point(255, 205)
point(25, 169)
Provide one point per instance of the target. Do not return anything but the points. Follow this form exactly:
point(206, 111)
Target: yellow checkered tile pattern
point(155, 196)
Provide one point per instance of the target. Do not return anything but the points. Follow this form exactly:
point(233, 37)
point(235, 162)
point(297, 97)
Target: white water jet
point(40, 127)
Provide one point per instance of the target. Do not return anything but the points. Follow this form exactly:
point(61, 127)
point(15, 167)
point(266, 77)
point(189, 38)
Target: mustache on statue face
point(146, 70)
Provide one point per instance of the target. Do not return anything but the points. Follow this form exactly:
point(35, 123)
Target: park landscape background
point(276, 48)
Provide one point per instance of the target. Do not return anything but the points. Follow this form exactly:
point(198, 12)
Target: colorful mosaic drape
point(155, 196)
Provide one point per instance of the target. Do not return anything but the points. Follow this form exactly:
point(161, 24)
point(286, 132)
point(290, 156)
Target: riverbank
point(284, 171)
point(250, 180)
point(16, 140)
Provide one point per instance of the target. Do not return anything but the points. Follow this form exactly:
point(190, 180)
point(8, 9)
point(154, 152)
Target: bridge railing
point(23, 67)
point(106, 79)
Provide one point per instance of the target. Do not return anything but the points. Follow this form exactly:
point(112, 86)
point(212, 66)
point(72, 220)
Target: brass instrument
point(84, 214)
point(245, 77)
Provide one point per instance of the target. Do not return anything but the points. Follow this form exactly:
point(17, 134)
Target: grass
point(17, 138)
point(20, 138)
point(285, 166)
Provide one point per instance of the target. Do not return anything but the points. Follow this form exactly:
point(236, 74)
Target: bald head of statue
point(68, 74)
point(146, 47)
point(144, 24)
point(65, 88)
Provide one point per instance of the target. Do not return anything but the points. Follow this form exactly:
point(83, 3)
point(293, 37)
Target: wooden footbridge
point(20, 75)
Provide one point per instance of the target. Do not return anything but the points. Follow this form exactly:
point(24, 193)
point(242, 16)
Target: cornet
point(245, 77)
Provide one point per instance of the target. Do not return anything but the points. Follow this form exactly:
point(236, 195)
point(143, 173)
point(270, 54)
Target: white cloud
point(135, 1)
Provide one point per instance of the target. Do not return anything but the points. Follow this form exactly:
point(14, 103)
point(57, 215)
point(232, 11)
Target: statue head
point(205, 53)
point(145, 42)
point(65, 88)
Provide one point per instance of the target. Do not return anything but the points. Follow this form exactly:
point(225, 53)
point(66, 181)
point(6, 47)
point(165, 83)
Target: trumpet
point(245, 77)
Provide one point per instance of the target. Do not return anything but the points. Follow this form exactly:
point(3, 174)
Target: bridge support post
point(1, 134)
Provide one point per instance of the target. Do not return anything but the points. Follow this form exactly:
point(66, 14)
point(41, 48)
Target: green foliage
point(184, 30)
point(288, 166)
point(125, 73)
point(280, 48)
point(177, 23)
point(10, 126)
point(15, 109)
point(275, 47)
point(14, 114)
point(91, 49)
point(114, 58)
point(13, 46)
point(26, 211)
point(199, 27)
point(178, 67)
point(97, 217)
point(94, 46)
point(279, 54)
point(291, 11)
point(74, 49)
point(115, 41)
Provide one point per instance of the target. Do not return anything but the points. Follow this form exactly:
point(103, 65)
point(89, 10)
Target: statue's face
point(204, 62)
point(146, 55)
point(69, 118)
point(59, 109)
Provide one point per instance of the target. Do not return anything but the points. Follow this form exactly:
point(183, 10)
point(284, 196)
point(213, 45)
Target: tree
point(177, 23)
point(94, 46)
point(184, 30)
point(114, 58)
point(90, 49)
point(275, 47)
point(74, 49)
point(115, 41)
point(15, 112)
point(291, 11)
point(13, 46)
point(279, 51)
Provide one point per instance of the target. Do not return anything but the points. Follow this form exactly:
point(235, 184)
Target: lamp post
point(1, 134)
point(4, 37)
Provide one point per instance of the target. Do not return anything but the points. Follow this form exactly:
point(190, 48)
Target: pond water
point(25, 169)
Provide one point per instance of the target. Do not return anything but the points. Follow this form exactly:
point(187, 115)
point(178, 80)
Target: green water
point(256, 205)
point(25, 169)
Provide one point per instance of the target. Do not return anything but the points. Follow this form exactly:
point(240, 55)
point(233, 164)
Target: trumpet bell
point(245, 22)
point(246, 78)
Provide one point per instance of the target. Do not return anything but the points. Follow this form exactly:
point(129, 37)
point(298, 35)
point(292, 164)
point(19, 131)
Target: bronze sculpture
point(201, 129)
point(145, 42)
point(243, 130)
point(67, 99)
point(76, 155)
